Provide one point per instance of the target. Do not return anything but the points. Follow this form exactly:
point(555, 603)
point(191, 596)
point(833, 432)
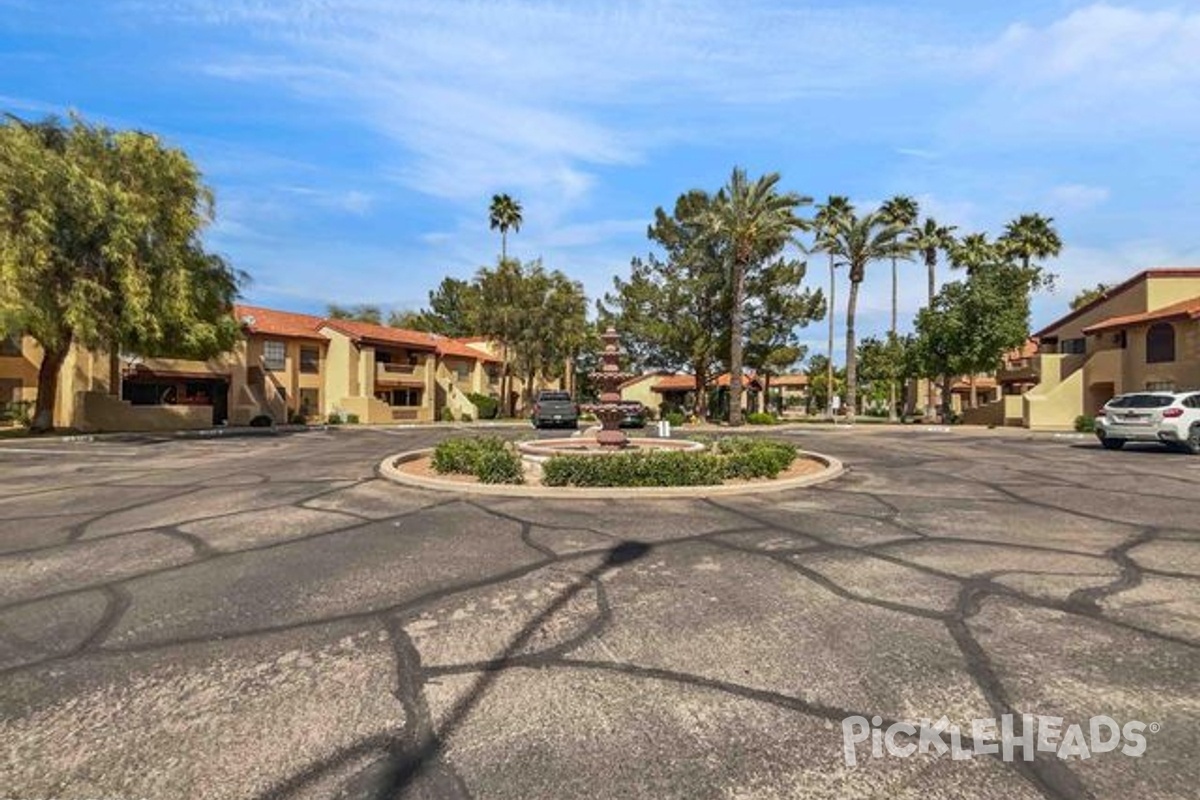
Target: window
point(1073, 346)
point(1159, 386)
point(310, 360)
point(462, 372)
point(274, 355)
point(1193, 401)
point(10, 346)
point(1160, 343)
point(400, 397)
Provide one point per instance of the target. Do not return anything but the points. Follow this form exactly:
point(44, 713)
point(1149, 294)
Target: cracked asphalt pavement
point(265, 618)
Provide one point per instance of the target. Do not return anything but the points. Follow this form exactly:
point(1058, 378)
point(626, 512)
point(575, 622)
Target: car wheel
point(1192, 445)
point(1112, 444)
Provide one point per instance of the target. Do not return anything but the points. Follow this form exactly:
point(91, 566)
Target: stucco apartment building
point(286, 366)
point(1143, 334)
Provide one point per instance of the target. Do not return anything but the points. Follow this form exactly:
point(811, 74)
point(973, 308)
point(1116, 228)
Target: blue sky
point(353, 146)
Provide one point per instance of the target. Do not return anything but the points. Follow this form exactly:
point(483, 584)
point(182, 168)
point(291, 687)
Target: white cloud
point(1103, 73)
point(1076, 197)
point(534, 97)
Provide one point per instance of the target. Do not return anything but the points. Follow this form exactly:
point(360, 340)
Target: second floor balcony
point(399, 373)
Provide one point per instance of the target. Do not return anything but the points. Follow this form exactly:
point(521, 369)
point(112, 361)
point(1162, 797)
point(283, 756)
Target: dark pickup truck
point(555, 410)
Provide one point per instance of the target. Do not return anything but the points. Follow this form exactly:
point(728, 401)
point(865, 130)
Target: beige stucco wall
point(100, 411)
point(1183, 372)
point(642, 392)
point(23, 369)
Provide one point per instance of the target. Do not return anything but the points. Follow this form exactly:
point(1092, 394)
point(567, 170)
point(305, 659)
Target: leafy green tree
point(857, 242)
point(972, 324)
point(363, 312)
point(672, 312)
point(821, 375)
point(929, 239)
point(100, 245)
point(882, 364)
point(538, 316)
point(503, 214)
point(1089, 295)
point(453, 310)
point(500, 298)
point(552, 325)
point(777, 307)
point(751, 223)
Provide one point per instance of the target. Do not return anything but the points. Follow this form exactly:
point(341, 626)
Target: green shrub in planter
point(447, 415)
point(499, 466)
point(655, 468)
point(1085, 423)
point(488, 458)
point(487, 407)
point(755, 458)
point(760, 418)
point(352, 419)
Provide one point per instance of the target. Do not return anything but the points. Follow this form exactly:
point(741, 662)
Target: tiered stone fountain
point(610, 438)
point(609, 379)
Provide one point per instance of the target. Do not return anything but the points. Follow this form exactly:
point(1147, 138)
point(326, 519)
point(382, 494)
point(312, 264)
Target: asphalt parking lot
point(265, 618)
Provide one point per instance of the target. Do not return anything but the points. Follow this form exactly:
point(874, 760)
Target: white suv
point(1170, 418)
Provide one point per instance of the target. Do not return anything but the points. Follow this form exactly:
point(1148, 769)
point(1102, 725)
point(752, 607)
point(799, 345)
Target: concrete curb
point(141, 436)
point(387, 470)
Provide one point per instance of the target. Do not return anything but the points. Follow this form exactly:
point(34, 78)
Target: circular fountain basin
point(539, 450)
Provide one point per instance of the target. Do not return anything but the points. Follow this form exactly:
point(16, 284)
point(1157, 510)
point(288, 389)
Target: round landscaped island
point(578, 468)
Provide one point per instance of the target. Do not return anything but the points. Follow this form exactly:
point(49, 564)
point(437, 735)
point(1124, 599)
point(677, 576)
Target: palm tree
point(929, 239)
point(827, 221)
point(972, 252)
point(1031, 236)
point(750, 222)
point(505, 213)
point(901, 211)
point(857, 242)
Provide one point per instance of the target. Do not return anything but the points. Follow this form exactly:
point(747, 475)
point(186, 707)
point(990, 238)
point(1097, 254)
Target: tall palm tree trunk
point(829, 352)
point(891, 381)
point(851, 355)
point(503, 245)
point(931, 265)
point(735, 345)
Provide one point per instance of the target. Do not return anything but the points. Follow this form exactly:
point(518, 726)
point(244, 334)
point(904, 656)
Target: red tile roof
point(982, 384)
point(1187, 309)
point(748, 379)
point(675, 383)
point(267, 321)
point(1159, 272)
point(789, 380)
point(417, 340)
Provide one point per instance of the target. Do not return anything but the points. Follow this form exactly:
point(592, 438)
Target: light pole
point(829, 352)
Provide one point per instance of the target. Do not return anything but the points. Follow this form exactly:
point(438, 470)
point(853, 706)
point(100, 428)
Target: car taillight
point(1171, 413)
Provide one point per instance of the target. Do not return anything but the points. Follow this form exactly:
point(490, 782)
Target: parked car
point(1170, 418)
point(555, 410)
point(635, 414)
